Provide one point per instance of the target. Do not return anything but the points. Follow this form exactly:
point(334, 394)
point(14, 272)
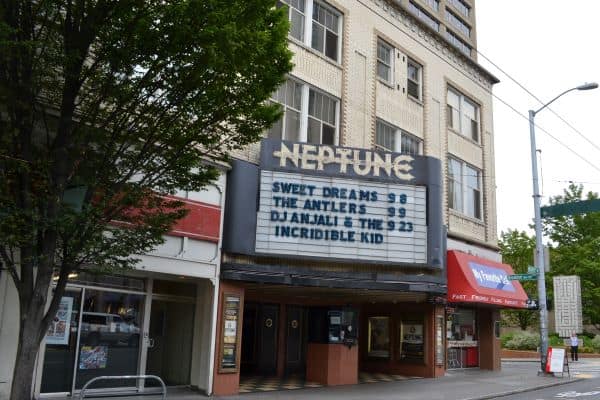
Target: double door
point(261, 335)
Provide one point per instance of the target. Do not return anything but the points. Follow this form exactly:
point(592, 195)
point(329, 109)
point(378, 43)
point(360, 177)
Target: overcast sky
point(548, 46)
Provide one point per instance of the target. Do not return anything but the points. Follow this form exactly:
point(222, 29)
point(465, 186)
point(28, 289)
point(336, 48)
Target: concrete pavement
point(470, 384)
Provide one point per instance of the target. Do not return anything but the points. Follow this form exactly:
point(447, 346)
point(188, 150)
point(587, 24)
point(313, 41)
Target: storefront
point(156, 319)
point(478, 289)
point(331, 258)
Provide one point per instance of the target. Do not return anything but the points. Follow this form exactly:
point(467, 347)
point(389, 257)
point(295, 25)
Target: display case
point(333, 325)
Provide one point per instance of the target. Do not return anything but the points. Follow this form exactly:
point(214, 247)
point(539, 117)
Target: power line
point(539, 100)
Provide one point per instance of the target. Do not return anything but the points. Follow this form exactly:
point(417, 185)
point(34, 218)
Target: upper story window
point(385, 59)
point(458, 23)
point(424, 16)
point(325, 30)
point(461, 6)
point(391, 138)
point(458, 43)
point(435, 4)
point(296, 15)
point(309, 115)
point(415, 78)
point(463, 114)
point(464, 188)
point(321, 32)
point(321, 117)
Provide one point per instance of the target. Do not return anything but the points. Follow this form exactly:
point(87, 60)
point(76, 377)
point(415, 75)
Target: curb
point(529, 389)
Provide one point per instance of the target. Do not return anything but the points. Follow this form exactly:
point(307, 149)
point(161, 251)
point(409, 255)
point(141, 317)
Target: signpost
point(522, 277)
point(533, 270)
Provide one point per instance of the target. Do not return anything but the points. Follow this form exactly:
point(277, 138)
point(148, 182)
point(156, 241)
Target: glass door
point(109, 341)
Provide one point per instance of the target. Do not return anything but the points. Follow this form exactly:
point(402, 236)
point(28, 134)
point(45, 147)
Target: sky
point(548, 46)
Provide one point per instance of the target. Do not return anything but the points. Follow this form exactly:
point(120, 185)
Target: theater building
point(337, 225)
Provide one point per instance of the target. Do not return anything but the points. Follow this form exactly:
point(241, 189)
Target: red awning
point(477, 280)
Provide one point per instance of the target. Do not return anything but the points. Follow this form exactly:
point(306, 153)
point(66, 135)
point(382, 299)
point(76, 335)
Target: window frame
point(471, 207)
point(461, 129)
point(397, 141)
point(340, 19)
point(304, 114)
point(460, 44)
point(291, 9)
point(458, 23)
point(424, 16)
point(418, 83)
point(379, 353)
point(391, 49)
point(461, 7)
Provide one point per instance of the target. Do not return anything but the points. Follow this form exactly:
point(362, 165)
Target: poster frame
point(224, 307)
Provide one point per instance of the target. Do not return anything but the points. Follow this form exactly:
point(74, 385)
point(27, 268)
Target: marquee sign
point(332, 217)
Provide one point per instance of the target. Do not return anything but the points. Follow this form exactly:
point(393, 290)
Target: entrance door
point(109, 341)
point(171, 335)
point(268, 329)
point(295, 361)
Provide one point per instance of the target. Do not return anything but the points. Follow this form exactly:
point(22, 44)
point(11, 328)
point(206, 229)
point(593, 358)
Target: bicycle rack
point(114, 377)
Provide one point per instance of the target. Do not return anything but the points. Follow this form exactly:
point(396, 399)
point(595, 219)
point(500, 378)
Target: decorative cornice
point(436, 43)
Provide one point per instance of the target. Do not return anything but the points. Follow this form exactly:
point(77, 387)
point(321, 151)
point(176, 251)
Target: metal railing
point(136, 393)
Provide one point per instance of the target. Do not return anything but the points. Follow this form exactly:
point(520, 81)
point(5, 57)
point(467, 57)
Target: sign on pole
point(522, 277)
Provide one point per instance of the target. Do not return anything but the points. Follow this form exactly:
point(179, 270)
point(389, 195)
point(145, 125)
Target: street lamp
point(539, 259)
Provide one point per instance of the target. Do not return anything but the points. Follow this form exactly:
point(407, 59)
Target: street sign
point(576, 207)
point(533, 270)
point(522, 277)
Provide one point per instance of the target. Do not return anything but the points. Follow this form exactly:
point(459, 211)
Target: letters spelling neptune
point(315, 157)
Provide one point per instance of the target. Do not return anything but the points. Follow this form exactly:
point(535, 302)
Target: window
point(325, 30)
point(321, 118)
point(289, 95)
point(458, 23)
point(309, 115)
point(390, 138)
point(379, 337)
point(463, 8)
point(464, 188)
point(462, 115)
point(296, 16)
point(414, 79)
point(423, 16)
point(321, 32)
point(458, 43)
point(435, 4)
point(385, 57)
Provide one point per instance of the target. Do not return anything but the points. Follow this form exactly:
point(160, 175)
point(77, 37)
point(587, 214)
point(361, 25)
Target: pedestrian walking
point(574, 347)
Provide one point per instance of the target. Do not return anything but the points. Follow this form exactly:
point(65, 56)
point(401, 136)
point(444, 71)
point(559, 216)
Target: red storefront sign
point(202, 222)
point(474, 279)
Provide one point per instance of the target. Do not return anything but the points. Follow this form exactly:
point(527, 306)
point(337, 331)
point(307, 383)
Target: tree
point(517, 250)
point(576, 250)
point(125, 100)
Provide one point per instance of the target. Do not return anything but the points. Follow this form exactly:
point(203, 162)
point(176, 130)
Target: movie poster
point(59, 330)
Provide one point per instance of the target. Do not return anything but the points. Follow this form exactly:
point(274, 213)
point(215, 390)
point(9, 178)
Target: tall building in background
point(360, 234)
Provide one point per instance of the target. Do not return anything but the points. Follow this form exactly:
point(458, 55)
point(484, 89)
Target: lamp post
point(539, 251)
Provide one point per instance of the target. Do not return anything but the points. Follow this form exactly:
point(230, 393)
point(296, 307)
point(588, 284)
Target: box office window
point(411, 337)
point(379, 337)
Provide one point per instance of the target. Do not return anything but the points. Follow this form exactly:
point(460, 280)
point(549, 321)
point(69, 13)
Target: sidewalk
point(471, 384)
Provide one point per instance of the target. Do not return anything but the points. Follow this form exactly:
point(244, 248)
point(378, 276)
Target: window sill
point(415, 100)
point(386, 83)
point(315, 52)
point(478, 144)
point(459, 214)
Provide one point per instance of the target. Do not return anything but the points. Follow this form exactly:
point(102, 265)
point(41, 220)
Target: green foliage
point(554, 340)
point(517, 250)
point(576, 250)
point(505, 338)
point(523, 341)
point(131, 100)
point(595, 344)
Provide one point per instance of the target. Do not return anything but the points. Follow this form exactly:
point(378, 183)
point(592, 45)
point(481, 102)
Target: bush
point(523, 341)
point(595, 343)
point(505, 338)
point(555, 341)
